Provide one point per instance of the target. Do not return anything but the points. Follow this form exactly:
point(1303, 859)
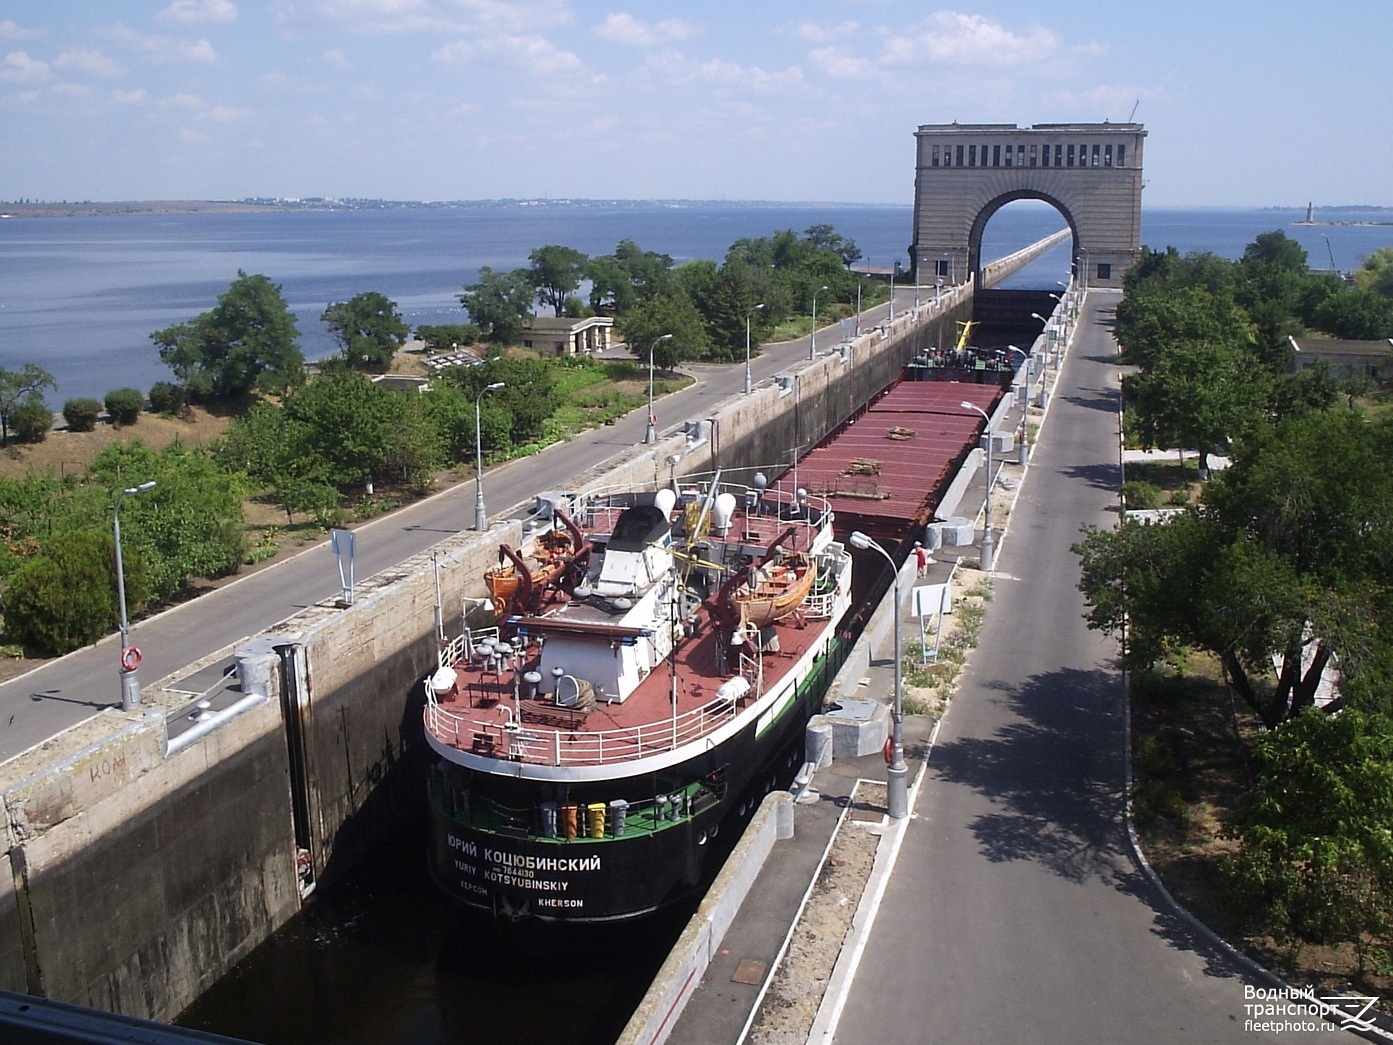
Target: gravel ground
point(790, 1005)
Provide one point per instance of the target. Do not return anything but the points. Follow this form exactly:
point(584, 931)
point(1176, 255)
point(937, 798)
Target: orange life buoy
point(130, 658)
point(889, 751)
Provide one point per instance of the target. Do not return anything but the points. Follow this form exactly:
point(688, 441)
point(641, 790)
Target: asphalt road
point(66, 691)
point(1015, 913)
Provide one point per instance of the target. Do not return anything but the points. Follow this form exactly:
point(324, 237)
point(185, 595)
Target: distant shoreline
point(90, 208)
point(118, 209)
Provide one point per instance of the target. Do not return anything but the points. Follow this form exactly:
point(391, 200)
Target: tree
point(1376, 273)
point(189, 525)
point(248, 340)
point(672, 313)
point(273, 451)
point(368, 328)
point(82, 413)
point(1149, 321)
point(555, 274)
point(348, 423)
point(447, 337)
point(18, 386)
point(123, 405)
point(1317, 854)
point(824, 237)
point(518, 411)
point(1283, 561)
point(31, 419)
point(630, 275)
point(499, 303)
point(1359, 315)
point(1197, 395)
point(65, 597)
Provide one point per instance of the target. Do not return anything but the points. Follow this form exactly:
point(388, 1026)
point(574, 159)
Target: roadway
point(64, 692)
point(1015, 912)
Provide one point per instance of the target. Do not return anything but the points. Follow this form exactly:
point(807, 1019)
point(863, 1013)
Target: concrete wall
point(681, 973)
point(139, 874)
point(138, 878)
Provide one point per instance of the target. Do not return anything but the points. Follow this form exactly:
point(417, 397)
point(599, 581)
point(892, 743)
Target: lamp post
point(859, 282)
point(748, 384)
point(481, 518)
point(812, 336)
point(897, 773)
point(988, 544)
point(1022, 449)
point(650, 435)
point(130, 656)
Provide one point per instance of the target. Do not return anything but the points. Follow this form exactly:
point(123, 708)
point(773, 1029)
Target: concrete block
point(957, 532)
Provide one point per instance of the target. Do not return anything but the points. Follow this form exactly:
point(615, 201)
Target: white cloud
point(817, 33)
point(89, 61)
point(485, 17)
point(161, 48)
point(138, 97)
point(535, 54)
point(624, 28)
point(725, 75)
point(229, 114)
point(9, 30)
point(334, 58)
point(951, 37)
point(833, 61)
point(189, 12)
point(200, 51)
point(18, 67)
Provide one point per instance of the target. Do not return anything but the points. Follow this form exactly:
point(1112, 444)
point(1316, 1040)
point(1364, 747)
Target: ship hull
point(504, 869)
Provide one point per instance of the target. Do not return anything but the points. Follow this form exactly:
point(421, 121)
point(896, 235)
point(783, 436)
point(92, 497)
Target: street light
point(987, 542)
point(897, 773)
point(130, 656)
point(650, 435)
point(481, 518)
point(812, 337)
point(1024, 401)
point(748, 384)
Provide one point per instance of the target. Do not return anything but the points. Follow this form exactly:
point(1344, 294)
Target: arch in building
point(1090, 172)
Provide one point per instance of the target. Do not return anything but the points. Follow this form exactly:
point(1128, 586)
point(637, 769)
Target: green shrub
point(81, 414)
point(31, 420)
point(65, 597)
point(1141, 495)
point(124, 405)
point(167, 398)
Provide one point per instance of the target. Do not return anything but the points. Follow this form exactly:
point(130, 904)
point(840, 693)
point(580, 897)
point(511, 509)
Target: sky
point(1245, 102)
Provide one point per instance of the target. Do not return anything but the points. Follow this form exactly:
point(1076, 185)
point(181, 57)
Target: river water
point(80, 296)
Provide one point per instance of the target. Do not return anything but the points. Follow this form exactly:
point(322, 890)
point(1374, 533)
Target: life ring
point(130, 658)
point(889, 751)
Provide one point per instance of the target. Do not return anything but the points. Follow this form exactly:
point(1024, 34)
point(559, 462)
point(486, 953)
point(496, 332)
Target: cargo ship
point(644, 670)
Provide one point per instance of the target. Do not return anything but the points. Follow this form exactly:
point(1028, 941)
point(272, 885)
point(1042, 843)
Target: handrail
point(546, 746)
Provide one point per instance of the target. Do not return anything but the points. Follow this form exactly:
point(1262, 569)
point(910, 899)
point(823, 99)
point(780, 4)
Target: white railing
point(566, 747)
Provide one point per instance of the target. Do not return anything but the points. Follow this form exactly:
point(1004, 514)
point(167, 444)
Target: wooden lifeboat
point(521, 577)
point(774, 590)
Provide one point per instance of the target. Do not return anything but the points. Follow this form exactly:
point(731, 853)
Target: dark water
point(81, 296)
point(384, 959)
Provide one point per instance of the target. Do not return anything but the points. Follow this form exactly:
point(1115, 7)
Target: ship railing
point(463, 646)
point(523, 742)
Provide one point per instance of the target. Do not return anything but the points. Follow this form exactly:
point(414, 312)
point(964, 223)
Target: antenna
point(1134, 110)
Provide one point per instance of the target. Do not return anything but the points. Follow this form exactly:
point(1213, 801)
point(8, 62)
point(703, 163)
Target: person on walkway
point(921, 558)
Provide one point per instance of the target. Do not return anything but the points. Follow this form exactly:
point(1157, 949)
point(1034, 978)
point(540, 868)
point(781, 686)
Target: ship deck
point(489, 711)
point(885, 470)
point(494, 711)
